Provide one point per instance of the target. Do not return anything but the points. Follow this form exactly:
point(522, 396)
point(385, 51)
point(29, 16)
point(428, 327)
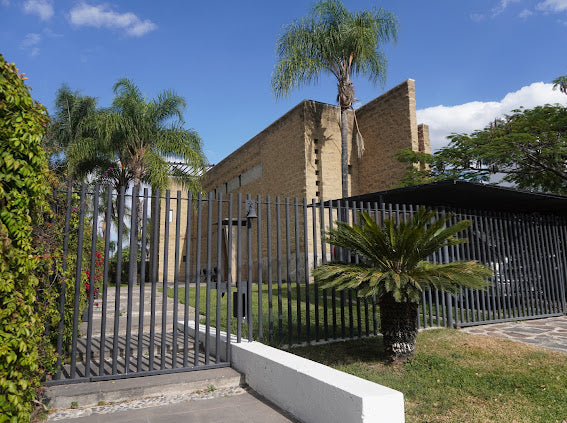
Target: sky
point(472, 61)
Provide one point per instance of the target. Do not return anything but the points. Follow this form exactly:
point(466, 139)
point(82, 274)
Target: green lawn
point(275, 336)
point(457, 377)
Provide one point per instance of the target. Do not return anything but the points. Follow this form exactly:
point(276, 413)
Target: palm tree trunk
point(398, 323)
point(344, 151)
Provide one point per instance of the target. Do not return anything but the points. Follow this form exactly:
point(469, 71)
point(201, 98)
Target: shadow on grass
point(345, 352)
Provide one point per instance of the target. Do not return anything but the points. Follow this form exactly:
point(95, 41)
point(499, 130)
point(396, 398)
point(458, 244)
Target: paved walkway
point(238, 407)
point(550, 333)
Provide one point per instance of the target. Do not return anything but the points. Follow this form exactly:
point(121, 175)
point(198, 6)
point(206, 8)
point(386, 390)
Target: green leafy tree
point(392, 265)
point(24, 190)
point(334, 41)
point(528, 148)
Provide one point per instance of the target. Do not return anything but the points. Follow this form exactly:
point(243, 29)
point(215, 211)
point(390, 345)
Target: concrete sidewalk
point(245, 407)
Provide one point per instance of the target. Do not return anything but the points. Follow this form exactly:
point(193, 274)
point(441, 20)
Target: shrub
point(24, 190)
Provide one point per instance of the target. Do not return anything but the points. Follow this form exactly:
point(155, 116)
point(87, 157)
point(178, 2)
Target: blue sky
point(471, 60)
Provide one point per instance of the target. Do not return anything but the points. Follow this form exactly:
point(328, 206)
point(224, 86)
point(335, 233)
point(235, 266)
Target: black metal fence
point(240, 267)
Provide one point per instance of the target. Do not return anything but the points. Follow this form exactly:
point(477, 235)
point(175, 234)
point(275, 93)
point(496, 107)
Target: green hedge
point(24, 190)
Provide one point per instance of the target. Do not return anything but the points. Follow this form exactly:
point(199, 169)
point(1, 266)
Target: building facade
point(299, 156)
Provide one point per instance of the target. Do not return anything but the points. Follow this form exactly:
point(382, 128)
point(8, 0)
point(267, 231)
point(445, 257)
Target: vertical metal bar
point(209, 271)
point(163, 349)
point(534, 261)
point(297, 273)
point(260, 269)
point(229, 282)
point(143, 258)
point(489, 260)
point(288, 273)
point(279, 270)
point(239, 304)
point(219, 280)
point(199, 242)
point(270, 279)
point(92, 282)
point(176, 265)
point(333, 290)
point(448, 318)
point(561, 241)
point(108, 223)
point(514, 291)
point(348, 260)
point(118, 280)
point(315, 284)
point(547, 254)
point(306, 272)
point(78, 272)
point(132, 259)
point(374, 308)
point(356, 259)
point(62, 294)
point(366, 310)
point(155, 250)
point(188, 235)
point(480, 256)
point(514, 236)
point(249, 281)
point(551, 256)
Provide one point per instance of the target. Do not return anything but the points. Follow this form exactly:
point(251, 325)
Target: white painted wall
point(312, 392)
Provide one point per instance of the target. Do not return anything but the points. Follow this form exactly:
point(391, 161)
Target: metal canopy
point(470, 195)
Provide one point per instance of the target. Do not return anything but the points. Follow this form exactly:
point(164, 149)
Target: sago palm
point(393, 266)
point(335, 41)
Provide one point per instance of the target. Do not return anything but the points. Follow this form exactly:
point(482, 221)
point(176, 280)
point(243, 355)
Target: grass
point(457, 377)
point(294, 324)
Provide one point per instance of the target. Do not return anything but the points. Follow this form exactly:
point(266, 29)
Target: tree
point(527, 147)
point(73, 114)
point(392, 265)
point(332, 40)
point(135, 137)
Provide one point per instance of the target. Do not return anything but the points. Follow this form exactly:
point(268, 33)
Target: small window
point(316, 173)
point(317, 194)
point(315, 141)
point(316, 161)
point(316, 151)
point(349, 169)
point(317, 183)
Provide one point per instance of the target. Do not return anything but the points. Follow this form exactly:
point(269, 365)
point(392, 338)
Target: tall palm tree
point(393, 267)
point(333, 40)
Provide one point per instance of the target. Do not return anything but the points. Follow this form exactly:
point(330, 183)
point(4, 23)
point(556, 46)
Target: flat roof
point(470, 195)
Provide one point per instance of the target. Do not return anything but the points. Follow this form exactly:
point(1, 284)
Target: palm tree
point(333, 40)
point(392, 265)
point(73, 112)
point(136, 137)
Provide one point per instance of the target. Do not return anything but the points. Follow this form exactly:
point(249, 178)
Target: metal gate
point(123, 313)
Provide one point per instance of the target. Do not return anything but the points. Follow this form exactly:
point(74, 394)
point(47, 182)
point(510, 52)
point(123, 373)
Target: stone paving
point(550, 333)
point(238, 405)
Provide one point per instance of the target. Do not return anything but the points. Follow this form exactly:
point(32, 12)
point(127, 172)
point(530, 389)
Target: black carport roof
point(470, 195)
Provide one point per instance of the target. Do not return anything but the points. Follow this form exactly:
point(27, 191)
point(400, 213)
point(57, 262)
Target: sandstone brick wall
point(299, 156)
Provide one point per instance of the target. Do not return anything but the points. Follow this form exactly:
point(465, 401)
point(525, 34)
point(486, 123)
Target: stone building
point(299, 156)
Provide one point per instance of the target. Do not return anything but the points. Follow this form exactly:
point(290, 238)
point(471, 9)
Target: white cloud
point(552, 6)
point(102, 16)
point(502, 7)
point(526, 13)
point(41, 8)
point(444, 120)
point(30, 42)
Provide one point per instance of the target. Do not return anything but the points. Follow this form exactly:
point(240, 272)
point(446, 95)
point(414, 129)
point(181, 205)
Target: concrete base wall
point(311, 391)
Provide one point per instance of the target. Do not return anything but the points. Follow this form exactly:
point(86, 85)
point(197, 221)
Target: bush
point(24, 190)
